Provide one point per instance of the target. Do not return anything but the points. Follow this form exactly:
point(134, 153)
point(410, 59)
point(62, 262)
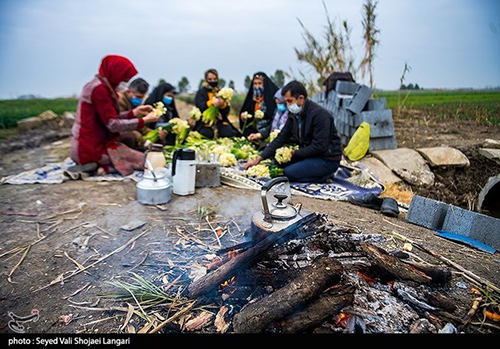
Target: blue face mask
point(294, 109)
point(167, 100)
point(135, 101)
point(281, 107)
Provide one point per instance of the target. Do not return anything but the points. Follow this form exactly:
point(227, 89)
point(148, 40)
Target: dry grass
point(400, 192)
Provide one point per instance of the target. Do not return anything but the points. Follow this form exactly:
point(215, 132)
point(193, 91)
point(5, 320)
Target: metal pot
point(277, 215)
point(154, 188)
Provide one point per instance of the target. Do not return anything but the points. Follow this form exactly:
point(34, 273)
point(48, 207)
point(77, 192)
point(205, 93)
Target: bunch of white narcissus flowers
point(258, 171)
point(227, 160)
point(226, 93)
point(259, 114)
point(245, 115)
point(178, 125)
point(283, 155)
point(273, 135)
point(195, 114)
point(159, 109)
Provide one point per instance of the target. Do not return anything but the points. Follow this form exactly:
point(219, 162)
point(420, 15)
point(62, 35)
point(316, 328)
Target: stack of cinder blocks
point(437, 215)
point(350, 105)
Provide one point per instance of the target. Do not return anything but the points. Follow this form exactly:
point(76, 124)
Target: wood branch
point(318, 311)
point(393, 265)
point(257, 316)
point(250, 256)
point(438, 274)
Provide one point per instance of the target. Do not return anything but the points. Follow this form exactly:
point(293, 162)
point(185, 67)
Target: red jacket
point(98, 121)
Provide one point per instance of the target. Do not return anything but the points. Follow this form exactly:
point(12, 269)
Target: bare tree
point(336, 55)
point(370, 37)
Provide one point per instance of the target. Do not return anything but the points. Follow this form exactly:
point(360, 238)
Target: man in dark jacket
point(311, 127)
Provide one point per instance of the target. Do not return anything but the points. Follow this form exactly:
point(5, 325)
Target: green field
point(477, 105)
point(16, 109)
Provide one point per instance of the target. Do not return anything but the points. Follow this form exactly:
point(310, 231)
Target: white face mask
point(294, 108)
point(122, 87)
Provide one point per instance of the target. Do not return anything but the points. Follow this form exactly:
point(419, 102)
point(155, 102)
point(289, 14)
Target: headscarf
point(116, 69)
point(270, 89)
point(280, 117)
point(157, 96)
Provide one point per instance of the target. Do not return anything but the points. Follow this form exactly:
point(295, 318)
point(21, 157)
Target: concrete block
point(207, 175)
point(427, 212)
point(346, 87)
point(474, 225)
point(376, 104)
point(359, 99)
point(380, 121)
point(383, 143)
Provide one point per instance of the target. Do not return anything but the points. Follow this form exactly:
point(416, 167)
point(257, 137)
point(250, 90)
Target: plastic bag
point(359, 143)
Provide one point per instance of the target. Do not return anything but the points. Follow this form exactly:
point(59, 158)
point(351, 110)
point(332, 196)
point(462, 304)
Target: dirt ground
point(97, 210)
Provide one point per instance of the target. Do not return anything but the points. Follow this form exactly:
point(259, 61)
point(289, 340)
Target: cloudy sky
point(53, 47)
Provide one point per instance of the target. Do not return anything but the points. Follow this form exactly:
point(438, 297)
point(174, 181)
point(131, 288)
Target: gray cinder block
point(346, 87)
point(380, 121)
point(477, 226)
point(207, 175)
point(427, 212)
point(376, 104)
point(359, 99)
point(383, 143)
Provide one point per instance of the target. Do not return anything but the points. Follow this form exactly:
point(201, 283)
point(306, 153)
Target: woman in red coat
point(95, 143)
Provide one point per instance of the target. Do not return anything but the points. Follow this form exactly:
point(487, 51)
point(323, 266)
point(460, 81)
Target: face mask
point(294, 108)
point(167, 100)
point(258, 91)
point(281, 107)
point(122, 87)
point(135, 101)
point(213, 83)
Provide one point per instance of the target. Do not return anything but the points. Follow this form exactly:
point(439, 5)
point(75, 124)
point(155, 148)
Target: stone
point(379, 170)
point(444, 156)
point(207, 175)
point(492, 154)
point(37, 121)
point(473, 225)
point(427, 212)
point(491, 143)
point(407, 164)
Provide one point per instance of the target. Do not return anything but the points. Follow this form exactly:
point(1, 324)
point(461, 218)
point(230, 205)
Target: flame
point(367, 278)
point(341, 319)
point(228, 286)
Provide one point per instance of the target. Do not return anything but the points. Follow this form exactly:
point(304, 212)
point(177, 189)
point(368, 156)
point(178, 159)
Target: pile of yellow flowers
point(283, 155)
point(260, 170)
point(226, 93)
point(227, 160)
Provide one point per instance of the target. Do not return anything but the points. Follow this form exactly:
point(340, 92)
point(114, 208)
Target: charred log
point(393, 265)
point(327, 305)
point(257, 316)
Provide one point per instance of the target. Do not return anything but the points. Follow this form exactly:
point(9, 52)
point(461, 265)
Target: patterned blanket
point(348, 181)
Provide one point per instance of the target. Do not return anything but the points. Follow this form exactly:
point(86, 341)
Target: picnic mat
point(348, 181)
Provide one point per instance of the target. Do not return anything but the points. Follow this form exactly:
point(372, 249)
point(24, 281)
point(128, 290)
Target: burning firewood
point(312, 280)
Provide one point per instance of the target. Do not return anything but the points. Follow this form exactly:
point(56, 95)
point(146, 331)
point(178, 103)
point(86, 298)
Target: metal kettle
point(276, 214)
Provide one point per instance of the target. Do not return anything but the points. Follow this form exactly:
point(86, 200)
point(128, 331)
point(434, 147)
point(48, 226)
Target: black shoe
point(389, 207)
point(369, 200)
point(81, 171)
